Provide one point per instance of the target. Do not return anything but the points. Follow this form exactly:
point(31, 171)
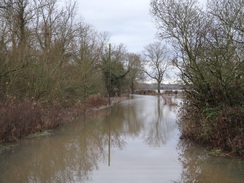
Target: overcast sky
point(127, 21)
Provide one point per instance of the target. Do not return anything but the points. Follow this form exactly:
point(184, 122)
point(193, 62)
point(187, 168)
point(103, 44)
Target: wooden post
point(109, 78)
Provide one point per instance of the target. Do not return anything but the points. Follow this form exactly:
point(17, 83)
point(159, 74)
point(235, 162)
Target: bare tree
point(16, 15)
point(156, 62)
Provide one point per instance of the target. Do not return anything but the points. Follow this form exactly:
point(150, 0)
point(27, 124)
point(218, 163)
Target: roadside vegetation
point(54, 66)
point(209, 47)
point(22, 118)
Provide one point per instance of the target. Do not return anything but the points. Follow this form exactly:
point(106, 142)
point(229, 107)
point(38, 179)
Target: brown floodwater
point(135, 141)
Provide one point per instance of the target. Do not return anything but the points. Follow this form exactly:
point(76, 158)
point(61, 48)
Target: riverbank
point(20, 119)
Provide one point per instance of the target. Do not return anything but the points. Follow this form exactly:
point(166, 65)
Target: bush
point(22, 118)
point(219, 128)
point(96, 101)
point(18, 120)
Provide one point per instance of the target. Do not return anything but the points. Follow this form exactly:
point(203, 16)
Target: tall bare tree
point(156, 62)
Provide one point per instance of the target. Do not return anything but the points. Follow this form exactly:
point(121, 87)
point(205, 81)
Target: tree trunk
point(158, 87)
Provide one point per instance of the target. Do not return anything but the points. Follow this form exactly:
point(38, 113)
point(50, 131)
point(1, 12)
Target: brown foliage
point(18, 120)
point(96, 101)
point(27, 117)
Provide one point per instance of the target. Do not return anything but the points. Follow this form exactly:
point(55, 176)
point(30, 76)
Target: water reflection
point(68, 156)
point(72, 152)
point(160, 124)
point(135, 141)
point(198, 166)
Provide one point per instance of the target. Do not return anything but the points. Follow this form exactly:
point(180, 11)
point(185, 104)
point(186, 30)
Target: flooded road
point(136, 140)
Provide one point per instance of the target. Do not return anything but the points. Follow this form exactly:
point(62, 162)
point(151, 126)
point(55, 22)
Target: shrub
point(219, 128)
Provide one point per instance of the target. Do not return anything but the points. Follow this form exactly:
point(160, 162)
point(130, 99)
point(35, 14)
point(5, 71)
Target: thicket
point(22, 118)
point(209, 46)
point(51, 57)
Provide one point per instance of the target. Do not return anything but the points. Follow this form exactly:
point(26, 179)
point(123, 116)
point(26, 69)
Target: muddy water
point(134, 141)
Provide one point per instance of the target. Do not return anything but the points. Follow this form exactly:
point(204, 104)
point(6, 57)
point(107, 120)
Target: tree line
point(50, 54)
point(208, 45)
